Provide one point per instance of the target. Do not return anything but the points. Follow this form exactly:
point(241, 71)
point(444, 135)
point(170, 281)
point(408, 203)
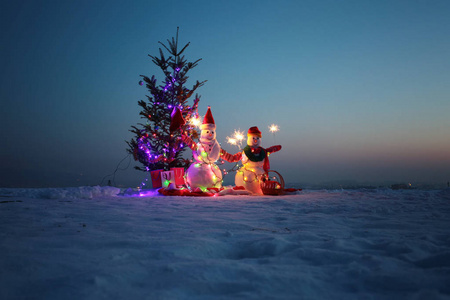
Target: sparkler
point(195, 121)
point(236, 139)
point(231, 140)
point(274, 128)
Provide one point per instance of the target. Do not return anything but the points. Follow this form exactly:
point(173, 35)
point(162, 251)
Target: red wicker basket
point(272, 187)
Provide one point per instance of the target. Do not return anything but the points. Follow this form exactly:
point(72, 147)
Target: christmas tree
point(156, 145)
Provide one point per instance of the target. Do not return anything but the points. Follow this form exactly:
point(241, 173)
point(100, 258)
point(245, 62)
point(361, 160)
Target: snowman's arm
point(189, 142)
point(274, 149)
point(230, 157)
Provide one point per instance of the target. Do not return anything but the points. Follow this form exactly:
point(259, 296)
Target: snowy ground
point(89, 243)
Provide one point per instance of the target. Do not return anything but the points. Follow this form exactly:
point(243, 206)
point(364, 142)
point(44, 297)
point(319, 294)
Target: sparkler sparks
point(239, 135)
point(274, 128)
point(195, 121)
point(236, 139)
point(231, 140)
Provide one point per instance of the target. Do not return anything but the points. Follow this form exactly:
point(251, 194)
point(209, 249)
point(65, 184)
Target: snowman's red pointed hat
point(208, 121)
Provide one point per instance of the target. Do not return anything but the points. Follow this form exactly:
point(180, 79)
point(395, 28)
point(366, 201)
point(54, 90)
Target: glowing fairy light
point(274, 128)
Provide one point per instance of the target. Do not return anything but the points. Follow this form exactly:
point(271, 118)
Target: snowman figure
point(255, 160)
point(203, 173)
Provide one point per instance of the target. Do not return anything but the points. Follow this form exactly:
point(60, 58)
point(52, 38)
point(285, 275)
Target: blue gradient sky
point(360, 89)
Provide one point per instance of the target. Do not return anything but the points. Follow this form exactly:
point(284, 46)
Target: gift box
point(161, 178)
point(156, 178)
point(167, 177)
point(179, 175)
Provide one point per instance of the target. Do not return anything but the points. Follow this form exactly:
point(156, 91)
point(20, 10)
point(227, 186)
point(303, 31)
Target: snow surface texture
point(90, 243)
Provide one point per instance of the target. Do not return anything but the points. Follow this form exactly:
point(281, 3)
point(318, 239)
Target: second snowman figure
point(255, 160)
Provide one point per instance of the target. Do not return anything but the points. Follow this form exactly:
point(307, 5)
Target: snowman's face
point(208, 134)
point(253, 141)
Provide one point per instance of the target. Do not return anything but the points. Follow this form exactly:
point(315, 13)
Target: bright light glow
point(238, 135)
point(231, 141)
point(195, 121)
point(236, 139)
point(273, 128)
